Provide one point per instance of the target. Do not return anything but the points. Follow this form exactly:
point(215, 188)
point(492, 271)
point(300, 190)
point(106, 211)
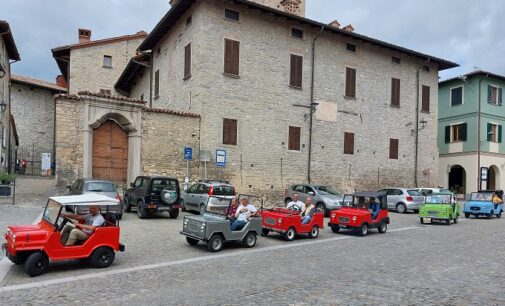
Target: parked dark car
point(151, 194)
point(104, 187)
point(197, 196)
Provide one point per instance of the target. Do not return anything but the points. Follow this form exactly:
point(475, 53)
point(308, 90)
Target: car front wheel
point(127, 204)
point(401, 208)
point(36, 264)
point(383, 227)
point(314, 232)
point(499, 215)
point(335, 228)
point(448, 221)
point(265, 232)
point(322, 208)
point(364, 230)
point(290, 234)
point(215, 244)
point(249, 240)
point(102, 257)
point(467, 215)
point(191, 241)
point(183, 205)
point(141, 211)
point(490, 215)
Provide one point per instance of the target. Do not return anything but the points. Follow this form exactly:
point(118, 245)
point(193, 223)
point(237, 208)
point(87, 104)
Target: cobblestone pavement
point(412, 264)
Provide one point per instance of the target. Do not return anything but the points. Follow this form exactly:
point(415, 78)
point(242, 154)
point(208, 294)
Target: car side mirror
point(311, 193)
point(132, 185)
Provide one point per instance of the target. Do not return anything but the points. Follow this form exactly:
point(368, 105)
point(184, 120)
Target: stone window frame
point(346, 96)
point(294, 86)
point(299, 140)
point(156, 84)
point(499, 92)
point(462, 95)
point(231, 73)
point(294, 29)
point(351, 48)
point(425, 95)
point(105, 63)
point(232, 11)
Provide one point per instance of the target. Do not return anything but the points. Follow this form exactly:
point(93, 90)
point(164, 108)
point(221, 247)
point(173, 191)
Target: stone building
point(33, 110)
point(8, 53)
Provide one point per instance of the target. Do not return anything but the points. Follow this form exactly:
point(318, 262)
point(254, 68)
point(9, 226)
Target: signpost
point(188, 155)
point(221, 158)
point(484, 172)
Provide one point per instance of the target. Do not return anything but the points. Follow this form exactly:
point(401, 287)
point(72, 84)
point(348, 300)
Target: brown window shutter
point(296, 71)
point(231, 56)
point(157, 83)
point(233, 132)
point(395, 92)
point(294, 138)
point(187, 61)
point(426, 99)
point(350, 82)
point(349, 143)
point(230, 132)
point(393, 148)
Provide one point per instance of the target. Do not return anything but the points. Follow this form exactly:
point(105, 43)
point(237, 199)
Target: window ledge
point(455, 105)
point(231, 75)
point(232, 20)
point(425, 112)
point(349, 98)
point(394, 106)
point(156, 97)
point(295, 87)
point(187, 77)
point(108, 67)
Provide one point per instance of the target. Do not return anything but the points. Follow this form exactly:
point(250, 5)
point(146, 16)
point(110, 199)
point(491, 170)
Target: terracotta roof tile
point(116, 98)
point(171, 112)
point(91, 43)
point(37, 83)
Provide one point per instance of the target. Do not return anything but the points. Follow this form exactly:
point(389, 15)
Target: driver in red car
point(71, 233)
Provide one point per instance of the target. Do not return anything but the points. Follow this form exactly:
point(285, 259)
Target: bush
point(7, 178)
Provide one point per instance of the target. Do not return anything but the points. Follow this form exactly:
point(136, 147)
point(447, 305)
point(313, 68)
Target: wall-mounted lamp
point(423, 124)
point(3, 106)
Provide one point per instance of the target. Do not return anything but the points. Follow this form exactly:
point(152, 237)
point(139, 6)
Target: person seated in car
point(308, 211)
point(296, 204)
point(496, 200)
point(362, 203)
point(71, 233)
point(232, 210)
point(375, 208)
point(244, 212)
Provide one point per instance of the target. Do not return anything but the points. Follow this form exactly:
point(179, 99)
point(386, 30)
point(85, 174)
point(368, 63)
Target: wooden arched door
point(110, 152)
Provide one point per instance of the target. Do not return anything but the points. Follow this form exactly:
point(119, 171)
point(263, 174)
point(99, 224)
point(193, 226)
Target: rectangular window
point(455, 133)
point(349, 143)
point(231, 15)
point(230, 132)
point(296, 33)
point(231, 57)
point(350, 48)
point(393, 148)
point(494, 95)
point(395, 60)
point(296, 71)
point(107, 61)
point(294, 138)
point(187, 61)
point(189, 20)
point(157, 84)
point(395, 92)
point(350, 82)
point(106, 92)
point(426, 68)
point(425, 106)
point(494, 132)
point(457, 96)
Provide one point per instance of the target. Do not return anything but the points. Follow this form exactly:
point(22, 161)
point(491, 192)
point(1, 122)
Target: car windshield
point(224, 190)
point(482, 196)
point(164, 184)
point(218, 206)
point(326, 190)
point(414, 193)
point(439, 199)
point(51, 212)
point(100, 187)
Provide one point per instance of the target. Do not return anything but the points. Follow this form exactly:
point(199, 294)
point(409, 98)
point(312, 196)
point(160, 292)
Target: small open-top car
point(439, 207)
point(35, 245)
point(362, 215)
point(213, 226)
point(481, 204)
point(289, 223)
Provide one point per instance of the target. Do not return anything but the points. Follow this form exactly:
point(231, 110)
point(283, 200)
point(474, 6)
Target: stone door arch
point(110, 152)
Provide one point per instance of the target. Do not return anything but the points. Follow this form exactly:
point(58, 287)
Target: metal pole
point(205, 163)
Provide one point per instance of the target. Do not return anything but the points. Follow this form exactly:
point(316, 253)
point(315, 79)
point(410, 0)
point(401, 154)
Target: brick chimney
point(172, 2)
point(334, 24)
point(84, 35)
point(348, 28)
point(60, 81)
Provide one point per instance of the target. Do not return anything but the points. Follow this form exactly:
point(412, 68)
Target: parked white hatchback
point(403, 199)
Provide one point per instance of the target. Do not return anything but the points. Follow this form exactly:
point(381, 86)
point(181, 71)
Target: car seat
point(110, 220)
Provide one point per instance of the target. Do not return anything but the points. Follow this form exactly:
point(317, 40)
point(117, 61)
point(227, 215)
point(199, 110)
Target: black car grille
point(270, 221)
point(475, 208)
point(193, 227)
point(343, 220)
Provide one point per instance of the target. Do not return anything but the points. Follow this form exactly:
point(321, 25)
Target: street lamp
point(3, 106)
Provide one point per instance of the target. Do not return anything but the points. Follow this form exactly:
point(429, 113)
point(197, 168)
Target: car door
point(190, 195)
point(309, 192)
point(202, 194)
point(135, 191)
point(392, 196)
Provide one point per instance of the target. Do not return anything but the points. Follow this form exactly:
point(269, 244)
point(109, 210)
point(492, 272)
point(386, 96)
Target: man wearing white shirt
point(296, 204)
point(244, 212)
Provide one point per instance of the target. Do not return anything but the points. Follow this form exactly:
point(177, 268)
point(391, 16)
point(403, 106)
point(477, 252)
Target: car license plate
point(427, 220)
point(151, 206)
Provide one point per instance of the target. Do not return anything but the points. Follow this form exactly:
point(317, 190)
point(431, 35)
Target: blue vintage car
point(481, 204)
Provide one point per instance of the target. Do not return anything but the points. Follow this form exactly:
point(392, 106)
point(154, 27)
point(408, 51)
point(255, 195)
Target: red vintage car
point(359, 214)
point(289, 223)
point(35, 245)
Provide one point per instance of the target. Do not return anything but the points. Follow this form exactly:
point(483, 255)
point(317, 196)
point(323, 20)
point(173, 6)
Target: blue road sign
point(188, 153)
point(221, 158)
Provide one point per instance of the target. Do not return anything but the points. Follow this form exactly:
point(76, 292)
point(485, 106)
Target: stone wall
point(5, 96)
point(33, 110)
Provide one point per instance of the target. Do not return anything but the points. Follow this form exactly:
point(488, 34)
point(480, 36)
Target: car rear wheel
point(335, 228)
point(119, 216)
point(314, 232)
point(490, 215)
point(141, 211)
point(322, 208)
point(383, 227)
point(215, 244)
point(191, 241)
point(127, 204)
point(36, 264)
point(102, 257)
point(401, 208)
point(448, 221)
point(174, 213)
point(467, 215)
point(265, 232)
point(499, 215)
point(363, 230)
point(456, 220)
point(249, 240)
point(290, 234)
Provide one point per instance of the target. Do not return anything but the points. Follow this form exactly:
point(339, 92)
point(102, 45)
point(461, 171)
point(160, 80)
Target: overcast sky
point(468, 32)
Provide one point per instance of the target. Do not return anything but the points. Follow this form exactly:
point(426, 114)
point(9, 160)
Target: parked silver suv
point(197, 196)
point(326, 198)
point(403, 199)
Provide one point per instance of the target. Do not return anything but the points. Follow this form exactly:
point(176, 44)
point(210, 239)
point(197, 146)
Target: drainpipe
point(416, 161)
point(150, 76)
point(312, 103)
point(478, 135)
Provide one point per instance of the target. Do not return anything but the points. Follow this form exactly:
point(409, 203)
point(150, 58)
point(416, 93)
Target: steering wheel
point(64, 221)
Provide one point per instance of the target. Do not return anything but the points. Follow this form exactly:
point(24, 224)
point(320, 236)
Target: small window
point(455, 133)
point(425, 106)
point(296, 71)
point(231, 15)
point(396, 60)
point(107, 61)
point(294, 138)
point(395, 92)
point(231, 57)
point(457, 96)
point(187, 61)
point(350, 82)
point(494, 132)
point(106, 92)
point(351, 48)
point(189, 20)
point(494, 95)
point(426, 68)
point(393, 148)
point(158, 51)
point(230, 132)
point(297, 33)
point(157, 84)
point(349, 143)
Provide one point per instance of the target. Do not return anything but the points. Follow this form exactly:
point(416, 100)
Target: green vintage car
point(440, 207)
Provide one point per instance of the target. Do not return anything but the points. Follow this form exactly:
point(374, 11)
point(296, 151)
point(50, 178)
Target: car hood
point(436, 207)
point(478, 202)
point(205, 218)
point(332, 197)
point(22, 232)
point(349, 212)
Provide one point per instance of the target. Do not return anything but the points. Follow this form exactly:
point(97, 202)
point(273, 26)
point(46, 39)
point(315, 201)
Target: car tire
point(335, 228)
point(383, 227)
point(363, 230)
point(290, 234)
point(120, 216)
point(102, 257)
point(36, 264)
point(141, 211)
point(183, 206)
point(467, 215)
point(174, 213)
point(456, 220)
point(191, 241)
point(215, 244)
point(127, 204)
point(421, 220)
point(499, 215)
point(287, 200)
point(322, 208)
point(265, 232)
point(401, 208)
point(448, 221)
point(490, 215)
point(314, 232)
point(249, 240)
point(201, 209)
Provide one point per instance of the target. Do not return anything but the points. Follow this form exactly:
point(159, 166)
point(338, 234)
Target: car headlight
point(280, 221)
point(333, 215)
point(354, 219)
point(202, 227)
